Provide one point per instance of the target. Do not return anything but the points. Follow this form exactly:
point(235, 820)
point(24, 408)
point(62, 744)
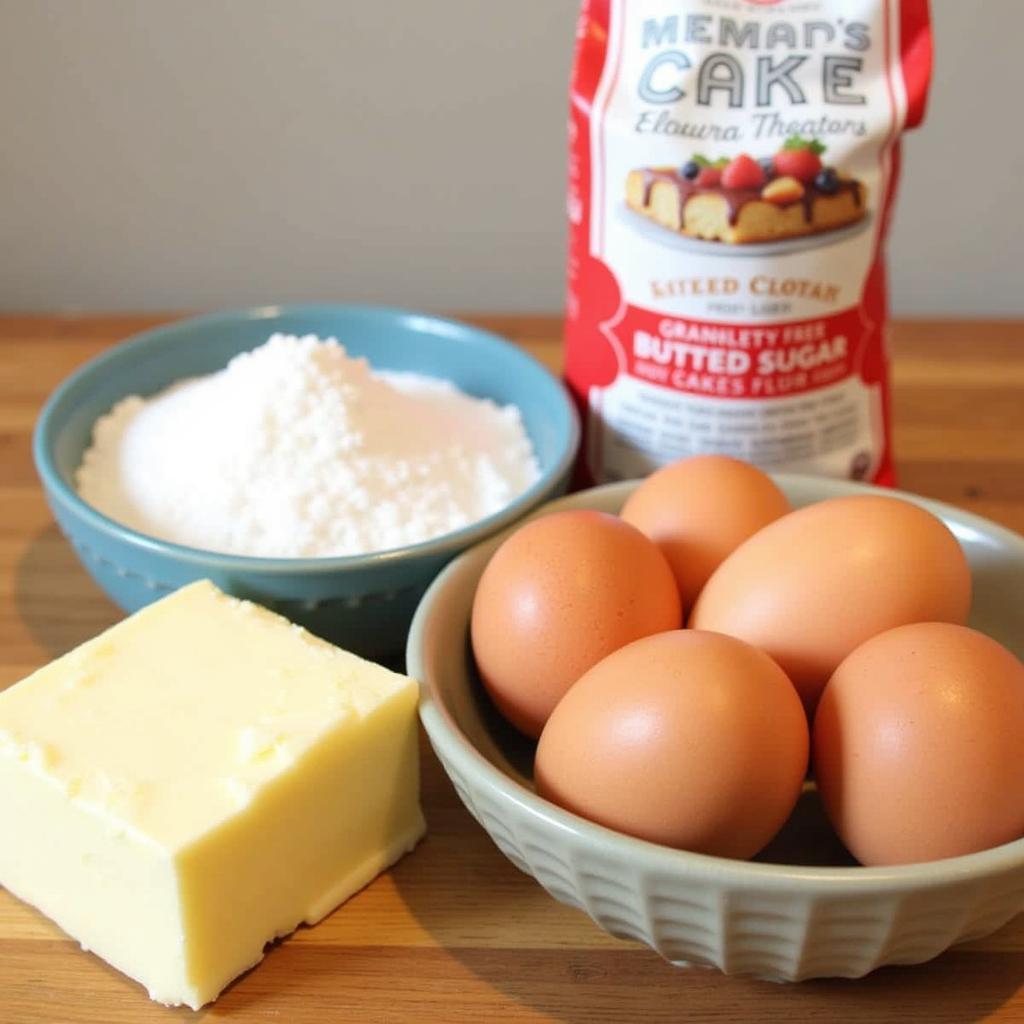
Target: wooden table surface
point(454, 932)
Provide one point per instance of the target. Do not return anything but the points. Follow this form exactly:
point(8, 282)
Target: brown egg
point(918, 745)
point(817, 583)
point(699, 510)
point(693, 740)
point(557, 596)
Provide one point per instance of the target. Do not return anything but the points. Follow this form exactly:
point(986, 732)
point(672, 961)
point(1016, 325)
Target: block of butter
point(197, 781)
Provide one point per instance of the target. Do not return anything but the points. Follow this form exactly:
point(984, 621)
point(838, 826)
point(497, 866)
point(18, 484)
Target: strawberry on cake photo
point(741, 200)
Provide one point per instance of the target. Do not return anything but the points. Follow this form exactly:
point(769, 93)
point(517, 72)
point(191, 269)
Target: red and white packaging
point(765, 338)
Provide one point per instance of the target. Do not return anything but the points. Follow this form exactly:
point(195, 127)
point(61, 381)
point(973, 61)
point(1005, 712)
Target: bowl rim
point(851, 880)
point(440, 546)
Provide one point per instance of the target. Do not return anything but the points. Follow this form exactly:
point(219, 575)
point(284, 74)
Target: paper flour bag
point(732, 171)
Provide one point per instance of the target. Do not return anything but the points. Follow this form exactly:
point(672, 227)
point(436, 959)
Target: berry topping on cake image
point(744, 199)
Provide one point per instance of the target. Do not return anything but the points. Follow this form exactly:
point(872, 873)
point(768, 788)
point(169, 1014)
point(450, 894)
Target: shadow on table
point(631, 983)
point(56, 598)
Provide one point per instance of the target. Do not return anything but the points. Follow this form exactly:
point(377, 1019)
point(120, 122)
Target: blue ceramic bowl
point(362, 602)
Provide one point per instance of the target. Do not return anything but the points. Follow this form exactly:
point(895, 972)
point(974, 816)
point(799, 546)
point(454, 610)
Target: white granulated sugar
point(297, 450)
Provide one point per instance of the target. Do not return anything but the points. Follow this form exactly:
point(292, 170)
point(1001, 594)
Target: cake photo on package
point(743, 200)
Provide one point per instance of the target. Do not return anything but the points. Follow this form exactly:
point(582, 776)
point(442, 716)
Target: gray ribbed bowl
point(812, 913)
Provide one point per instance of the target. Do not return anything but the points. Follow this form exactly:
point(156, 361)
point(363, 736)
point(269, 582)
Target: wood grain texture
point(454, 932)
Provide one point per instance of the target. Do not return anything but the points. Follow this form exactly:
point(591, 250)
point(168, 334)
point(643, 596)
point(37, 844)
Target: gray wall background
point(168, 154)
